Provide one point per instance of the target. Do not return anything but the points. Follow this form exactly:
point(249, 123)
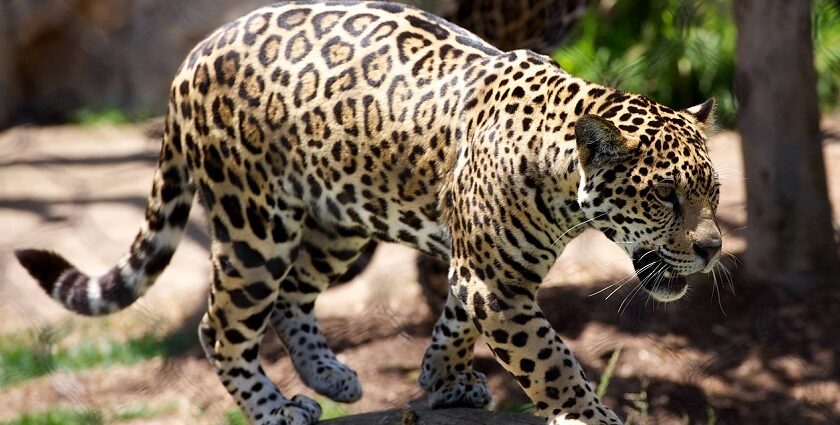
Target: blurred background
point(83, 84)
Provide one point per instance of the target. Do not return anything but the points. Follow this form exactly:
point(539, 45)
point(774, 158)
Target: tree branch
point(417, 415)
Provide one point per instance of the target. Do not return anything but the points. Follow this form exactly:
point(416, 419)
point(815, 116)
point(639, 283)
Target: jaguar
point(309, 128)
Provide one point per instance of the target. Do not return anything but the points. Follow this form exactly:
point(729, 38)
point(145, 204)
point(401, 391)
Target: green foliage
point(29, 355)
point(108, 116)
point(141, 411)
point(235, 417)
point(87, 417)
point(59, 417)
point(826, 27)
point(639, 412)
point(608, 372)
point(331, 409)
point(94, 117)
point(681, 52)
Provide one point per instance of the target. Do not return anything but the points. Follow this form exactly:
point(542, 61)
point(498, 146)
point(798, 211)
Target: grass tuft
point(235, 417)
point(639, 412)
point(332, 410)
point(59, 417)
point(608, 372)
point(28, 356)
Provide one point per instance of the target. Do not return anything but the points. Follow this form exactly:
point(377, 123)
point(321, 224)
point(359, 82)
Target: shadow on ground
point(769, 359)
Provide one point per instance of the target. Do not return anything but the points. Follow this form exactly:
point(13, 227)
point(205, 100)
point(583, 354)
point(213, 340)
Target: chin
point(670, 293)
point(659, 279)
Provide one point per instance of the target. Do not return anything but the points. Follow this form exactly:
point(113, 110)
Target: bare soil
point(742, 356)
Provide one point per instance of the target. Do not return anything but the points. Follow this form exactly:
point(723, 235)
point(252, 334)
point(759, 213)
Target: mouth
point(658, 278)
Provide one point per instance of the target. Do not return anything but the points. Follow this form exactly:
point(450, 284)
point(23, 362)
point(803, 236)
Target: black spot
point(527, 365)
point(213, 165)
point(248, 256)
point(233, 209)
point(234, 337)
point(552, 374)
point(502, 355)
point(500, 336)
point(179, 215)
point(519, 339)
point(256, 320)
point(435, 29)
point(478, 306)
point(277, 267)
point(239, 299)
point(258, 290)
point(220, 230)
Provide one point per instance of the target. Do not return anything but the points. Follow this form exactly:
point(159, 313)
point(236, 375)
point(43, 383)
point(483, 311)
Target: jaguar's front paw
point(333, 379)
point(300, 410)
point(465, 389)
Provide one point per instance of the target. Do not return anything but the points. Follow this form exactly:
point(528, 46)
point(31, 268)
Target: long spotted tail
point(166, 215)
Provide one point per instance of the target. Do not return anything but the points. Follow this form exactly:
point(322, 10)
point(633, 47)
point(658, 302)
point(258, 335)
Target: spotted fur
point(310, 128)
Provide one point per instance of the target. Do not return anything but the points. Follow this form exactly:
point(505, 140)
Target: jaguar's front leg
point(447, 374)
point(525, 344)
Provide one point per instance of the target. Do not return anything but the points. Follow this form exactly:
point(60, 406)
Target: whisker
point(735, 260)
point(734, 230)
point(716, 290)
point(619, 282)
point(729, 278)
point(575, 226)
point(659, 278)
point(626, 301)
point(718, 170)
point(609, 263)
point(623, 281)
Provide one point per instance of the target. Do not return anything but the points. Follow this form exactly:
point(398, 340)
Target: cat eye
point(667, 194)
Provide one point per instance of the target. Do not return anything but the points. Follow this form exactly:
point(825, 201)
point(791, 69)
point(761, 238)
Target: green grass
point(329, 410)
point(607, 375)
point(516, 407)
point(108, 116)
point(27, 356)
point(59, 417)
point(93, 117)
point(141, 411)
point(235, 417)
point(639, 412)
point(332, 410)
point(89, 417)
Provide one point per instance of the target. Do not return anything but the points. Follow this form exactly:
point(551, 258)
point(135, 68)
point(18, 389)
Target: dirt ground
point(742, 356)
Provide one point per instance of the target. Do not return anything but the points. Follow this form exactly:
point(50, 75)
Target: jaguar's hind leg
point(326, 253)
point(247, 268)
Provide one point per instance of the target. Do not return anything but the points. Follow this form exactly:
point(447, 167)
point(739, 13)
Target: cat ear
point(599, 142)
point(704, 113)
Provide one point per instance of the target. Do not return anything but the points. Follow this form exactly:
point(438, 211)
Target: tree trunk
point(790, 239)
point(425, 416)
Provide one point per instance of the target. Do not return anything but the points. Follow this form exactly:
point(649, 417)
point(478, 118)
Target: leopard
point(307, 129)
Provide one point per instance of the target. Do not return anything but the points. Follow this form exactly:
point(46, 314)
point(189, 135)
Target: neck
point(569, 99)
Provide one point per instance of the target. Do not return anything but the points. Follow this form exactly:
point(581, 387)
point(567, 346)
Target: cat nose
point(708, 249)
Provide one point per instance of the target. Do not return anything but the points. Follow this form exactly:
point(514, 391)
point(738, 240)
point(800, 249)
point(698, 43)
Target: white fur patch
point(462, 161)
